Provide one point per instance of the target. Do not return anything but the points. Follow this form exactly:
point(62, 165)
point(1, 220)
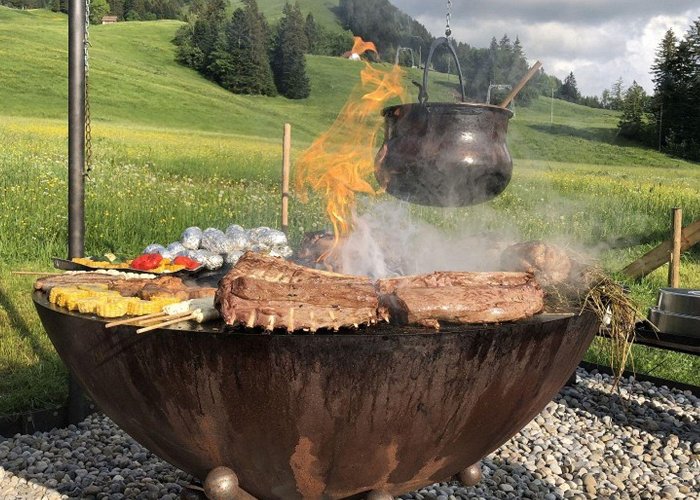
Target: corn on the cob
point(89, 305)
point(70, 296)
point(143, 307)
point(72, 299)
point(112, 309)
point(57, 291)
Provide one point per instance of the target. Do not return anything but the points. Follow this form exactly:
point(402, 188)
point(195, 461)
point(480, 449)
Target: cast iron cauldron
point(444, 154)
point(322, 416)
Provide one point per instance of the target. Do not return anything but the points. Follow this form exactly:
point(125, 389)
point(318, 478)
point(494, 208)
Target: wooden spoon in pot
point(520, 85)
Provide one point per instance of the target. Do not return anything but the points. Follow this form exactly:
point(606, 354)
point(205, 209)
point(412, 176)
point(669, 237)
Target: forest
point(669, 119)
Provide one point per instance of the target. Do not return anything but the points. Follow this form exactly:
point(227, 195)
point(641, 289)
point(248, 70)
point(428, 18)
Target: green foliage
point(312, 32)
point(98, 9)
point(233, 53)
point(145, 10)
point(332, 42)
point(569, 90)
point(503, 63)
point(288, 63)
point(635, 109)
point(116, 8)
point(675, 106)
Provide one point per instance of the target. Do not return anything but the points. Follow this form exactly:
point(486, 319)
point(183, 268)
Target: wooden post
point(286, 147)
point(657, 257)
point(674, 268)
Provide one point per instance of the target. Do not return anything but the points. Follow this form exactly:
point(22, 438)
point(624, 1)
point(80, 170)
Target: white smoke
point(389, 241)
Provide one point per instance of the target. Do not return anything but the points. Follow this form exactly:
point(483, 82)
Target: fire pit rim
point(219, 328)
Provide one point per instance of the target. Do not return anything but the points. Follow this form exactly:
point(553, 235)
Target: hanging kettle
point(444, 154)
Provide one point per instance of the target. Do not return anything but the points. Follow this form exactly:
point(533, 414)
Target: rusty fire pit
point(322, 416)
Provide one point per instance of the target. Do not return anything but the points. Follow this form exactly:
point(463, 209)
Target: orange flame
point(359, 46)
point(339, 162)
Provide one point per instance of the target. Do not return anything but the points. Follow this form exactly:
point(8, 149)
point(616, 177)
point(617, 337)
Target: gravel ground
point(587, 443)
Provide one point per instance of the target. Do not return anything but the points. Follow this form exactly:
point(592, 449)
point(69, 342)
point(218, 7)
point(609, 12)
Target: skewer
point(172, 311)
point(136, 319)
point(36, 273)
point(153, 321)
point(189, 317)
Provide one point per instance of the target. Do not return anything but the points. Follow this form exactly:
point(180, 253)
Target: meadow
point(173, 150)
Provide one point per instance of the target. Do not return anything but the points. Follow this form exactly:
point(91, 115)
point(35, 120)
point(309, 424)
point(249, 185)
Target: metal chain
point(88, 124)
point(448, 30)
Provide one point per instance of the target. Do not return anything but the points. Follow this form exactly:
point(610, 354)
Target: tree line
point(669, 119)
point(245, 55)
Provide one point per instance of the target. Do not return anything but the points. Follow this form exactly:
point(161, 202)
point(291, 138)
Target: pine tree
point(311, 30)
point(616, 95)
point(665, 85)
point(116, 8)
point(569, 90)
point(692, 128)
point(288, 63)
point(239, 57)
point(259, 45)
point(634, 110)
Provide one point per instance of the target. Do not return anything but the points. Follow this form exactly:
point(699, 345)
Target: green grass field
point(174, 150)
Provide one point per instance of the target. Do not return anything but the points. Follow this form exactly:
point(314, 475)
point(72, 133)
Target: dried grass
point(610, 302)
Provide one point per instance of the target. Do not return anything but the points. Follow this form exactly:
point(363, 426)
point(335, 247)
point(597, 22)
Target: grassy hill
point(323, 10)
point(173, 149)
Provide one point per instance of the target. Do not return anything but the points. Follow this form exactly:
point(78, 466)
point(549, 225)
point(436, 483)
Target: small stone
point(92, 490)
point(686, 475)
point(670, 491)
point(506, 487)
point(554, 467)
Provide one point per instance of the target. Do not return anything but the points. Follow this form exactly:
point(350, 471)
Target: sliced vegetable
point(146, 262)
point(190, 264)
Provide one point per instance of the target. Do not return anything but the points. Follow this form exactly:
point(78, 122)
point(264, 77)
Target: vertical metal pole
point(76, 128)
point(76, 160)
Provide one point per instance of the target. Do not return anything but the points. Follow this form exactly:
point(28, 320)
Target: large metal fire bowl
point(322, 416)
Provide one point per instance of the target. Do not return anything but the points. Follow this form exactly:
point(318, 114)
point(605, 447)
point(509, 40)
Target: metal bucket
point(322, 416)
point(444, 154)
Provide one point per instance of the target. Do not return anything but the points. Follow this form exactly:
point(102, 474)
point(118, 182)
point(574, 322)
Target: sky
point(599, 40)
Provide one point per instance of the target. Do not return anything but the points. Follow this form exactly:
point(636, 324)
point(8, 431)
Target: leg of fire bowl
point(471, 475)
point(222, 484)
point(378, 495)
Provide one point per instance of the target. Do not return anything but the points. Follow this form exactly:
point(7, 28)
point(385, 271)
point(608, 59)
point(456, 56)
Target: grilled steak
point(270, 293)
point(460, 298)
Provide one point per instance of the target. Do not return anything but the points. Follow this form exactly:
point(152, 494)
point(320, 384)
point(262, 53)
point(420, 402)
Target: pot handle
point(423, 94)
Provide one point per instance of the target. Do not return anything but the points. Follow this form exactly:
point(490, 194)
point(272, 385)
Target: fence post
point(674, 268)
point(286, 147)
